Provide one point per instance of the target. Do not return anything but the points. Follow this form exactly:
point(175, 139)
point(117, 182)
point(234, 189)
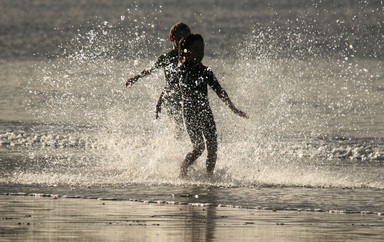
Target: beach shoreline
point(31, 218)
point(83, 158)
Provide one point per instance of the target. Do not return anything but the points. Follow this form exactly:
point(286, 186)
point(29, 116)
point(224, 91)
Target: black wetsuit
point(199, 121)
point(171, 95)
point(166, 59)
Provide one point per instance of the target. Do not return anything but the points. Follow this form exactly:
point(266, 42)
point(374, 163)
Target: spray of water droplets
point(299, 86)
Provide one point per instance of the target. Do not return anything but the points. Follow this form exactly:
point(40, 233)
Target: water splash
point(300, 100)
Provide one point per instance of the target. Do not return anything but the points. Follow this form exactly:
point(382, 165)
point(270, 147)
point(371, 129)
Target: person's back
point(194, 82)
point(194, 85)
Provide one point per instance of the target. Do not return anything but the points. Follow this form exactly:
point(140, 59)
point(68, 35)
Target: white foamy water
point(302, 131)
point(314, 97)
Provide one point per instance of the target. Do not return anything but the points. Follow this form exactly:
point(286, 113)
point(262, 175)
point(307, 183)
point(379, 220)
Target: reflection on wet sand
point(26, 218)
point(202, 218)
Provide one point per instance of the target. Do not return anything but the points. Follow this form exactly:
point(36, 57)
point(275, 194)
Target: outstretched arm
point(134, 79)
point(223, 95)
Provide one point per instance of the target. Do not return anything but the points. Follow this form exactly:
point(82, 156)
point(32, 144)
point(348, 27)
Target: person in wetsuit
point(194, 79)
point(171, 96)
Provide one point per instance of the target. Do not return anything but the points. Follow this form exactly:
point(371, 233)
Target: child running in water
point(194, 79)
point(171, 94)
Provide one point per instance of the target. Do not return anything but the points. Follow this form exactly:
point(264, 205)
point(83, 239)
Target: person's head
point(178, 31)
point(191, 48)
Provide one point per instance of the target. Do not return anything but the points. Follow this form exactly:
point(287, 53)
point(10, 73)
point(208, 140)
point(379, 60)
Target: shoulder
point(211, 78)
point(168, 57)
point(169, 54)
point(207, 71)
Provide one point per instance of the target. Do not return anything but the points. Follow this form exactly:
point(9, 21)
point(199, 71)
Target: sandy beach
point(307, 166)
point(28, 218)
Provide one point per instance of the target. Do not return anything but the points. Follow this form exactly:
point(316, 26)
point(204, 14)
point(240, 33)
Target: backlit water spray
point(309, 111)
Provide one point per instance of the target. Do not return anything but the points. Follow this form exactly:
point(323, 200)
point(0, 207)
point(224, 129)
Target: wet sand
point(26, 218)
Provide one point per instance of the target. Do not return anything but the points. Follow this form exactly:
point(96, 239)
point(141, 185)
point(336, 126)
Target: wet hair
point(186, 43)
point(178, 31)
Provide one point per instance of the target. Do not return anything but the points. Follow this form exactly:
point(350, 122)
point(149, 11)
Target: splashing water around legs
point(314, 99)
point(309, 74)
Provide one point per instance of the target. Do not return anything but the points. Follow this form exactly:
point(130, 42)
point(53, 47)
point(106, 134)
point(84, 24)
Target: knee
point(199, 149)
point(212, 146)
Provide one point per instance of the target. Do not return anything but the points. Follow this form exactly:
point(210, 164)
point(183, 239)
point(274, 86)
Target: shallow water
point(28, 218)
point(314, 140)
